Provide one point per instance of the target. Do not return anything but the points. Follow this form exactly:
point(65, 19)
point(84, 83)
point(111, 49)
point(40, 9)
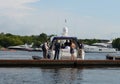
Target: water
point(18, 54)
point(28, 55)
point(53, 75)
point(59, 75)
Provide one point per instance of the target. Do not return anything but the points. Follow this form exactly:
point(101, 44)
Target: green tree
point(9, 39)
point(43, 37)
point(116, 43)
point(89, 41)
point(27, 39)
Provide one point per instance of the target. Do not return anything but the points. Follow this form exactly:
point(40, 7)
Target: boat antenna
point(65, 30)
point(65, 21)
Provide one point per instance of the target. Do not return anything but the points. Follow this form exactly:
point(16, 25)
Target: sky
point(86, 19)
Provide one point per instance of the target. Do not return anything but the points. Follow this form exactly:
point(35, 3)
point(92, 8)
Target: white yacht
point(100, 47)
point(64, 53)
point(65, 50)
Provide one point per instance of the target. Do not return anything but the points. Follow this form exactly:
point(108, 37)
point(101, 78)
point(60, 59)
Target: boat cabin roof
point(64, 38)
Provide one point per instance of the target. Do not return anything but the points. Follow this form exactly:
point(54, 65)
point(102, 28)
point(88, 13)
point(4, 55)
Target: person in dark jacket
point(45, 50)
point(57, 49)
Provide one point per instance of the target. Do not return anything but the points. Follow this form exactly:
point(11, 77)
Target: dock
point(59, 63)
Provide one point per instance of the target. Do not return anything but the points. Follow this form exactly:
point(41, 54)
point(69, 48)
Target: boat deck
point(65, 63)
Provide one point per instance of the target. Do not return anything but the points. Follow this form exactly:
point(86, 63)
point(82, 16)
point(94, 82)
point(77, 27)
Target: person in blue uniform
point(57, 49)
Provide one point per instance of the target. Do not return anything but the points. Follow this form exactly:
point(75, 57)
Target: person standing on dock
point(72, 50)
point(57, 49)
point(45, 50)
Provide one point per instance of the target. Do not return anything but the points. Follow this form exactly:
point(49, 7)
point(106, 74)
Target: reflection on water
point(40, 76)
point(59, 75)
point(62, 76)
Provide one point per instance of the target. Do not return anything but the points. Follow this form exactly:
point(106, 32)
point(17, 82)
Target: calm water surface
point(28, 55)
point(53, 75)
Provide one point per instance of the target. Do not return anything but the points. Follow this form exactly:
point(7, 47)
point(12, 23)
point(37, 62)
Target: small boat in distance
point(25, 47)
point(22, 47)
point(113, 56)
point(100, 48)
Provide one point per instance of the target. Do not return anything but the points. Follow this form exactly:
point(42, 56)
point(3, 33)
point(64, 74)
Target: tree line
point(9, 39)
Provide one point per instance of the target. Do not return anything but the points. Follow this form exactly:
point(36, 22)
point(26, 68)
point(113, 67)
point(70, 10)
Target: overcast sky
point(85, 18)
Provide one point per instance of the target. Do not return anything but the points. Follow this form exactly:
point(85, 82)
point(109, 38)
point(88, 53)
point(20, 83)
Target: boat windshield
point(64, 42)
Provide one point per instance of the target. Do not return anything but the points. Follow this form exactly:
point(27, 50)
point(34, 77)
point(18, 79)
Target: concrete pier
point(64, 63)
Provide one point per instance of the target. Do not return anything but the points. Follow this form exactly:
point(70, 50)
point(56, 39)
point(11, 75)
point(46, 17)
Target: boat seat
point(65, 54)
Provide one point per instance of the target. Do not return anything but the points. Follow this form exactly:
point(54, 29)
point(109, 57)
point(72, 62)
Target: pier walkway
point(64, 63)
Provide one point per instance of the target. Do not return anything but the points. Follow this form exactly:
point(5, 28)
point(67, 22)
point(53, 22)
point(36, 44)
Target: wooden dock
point(64, 63)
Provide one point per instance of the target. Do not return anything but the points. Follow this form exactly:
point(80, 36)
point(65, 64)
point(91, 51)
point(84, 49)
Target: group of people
point(57, 47)
point(45, 48)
